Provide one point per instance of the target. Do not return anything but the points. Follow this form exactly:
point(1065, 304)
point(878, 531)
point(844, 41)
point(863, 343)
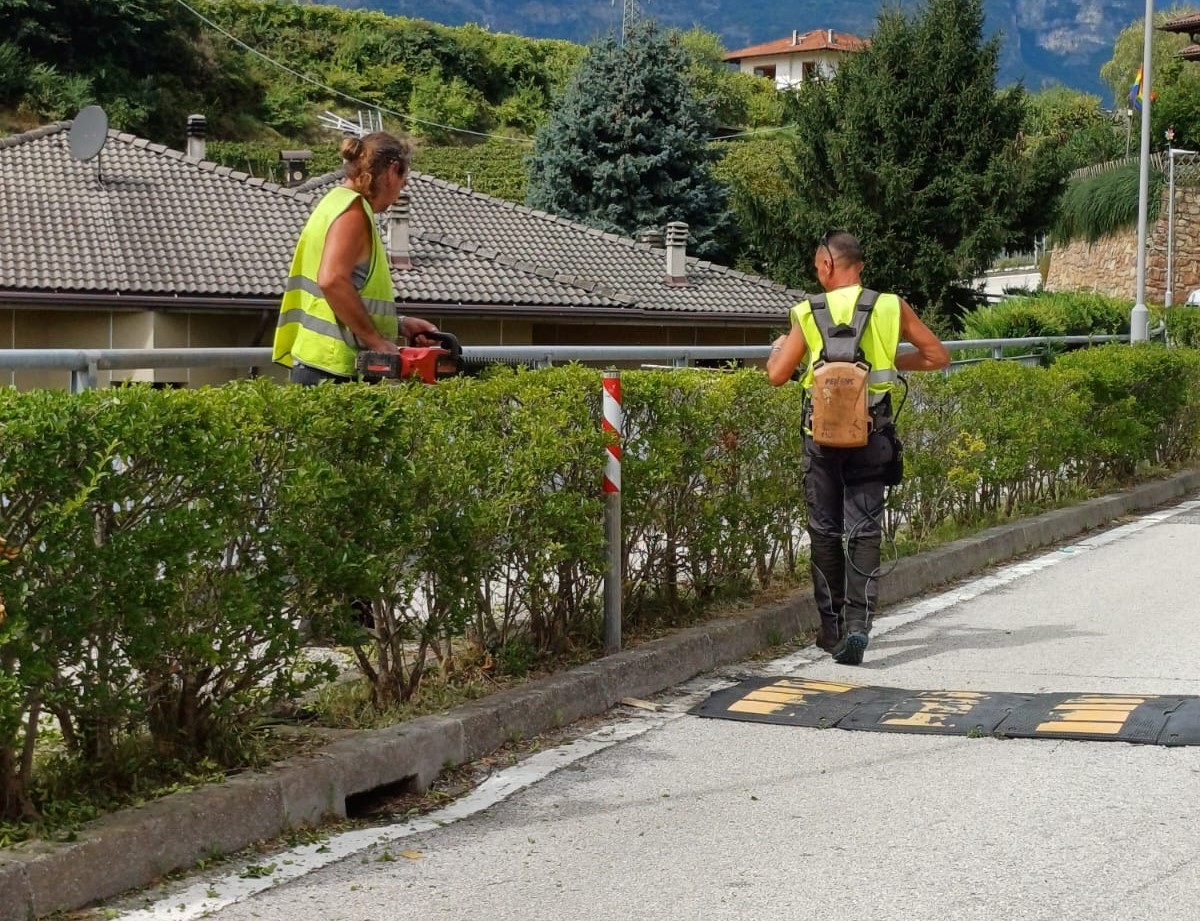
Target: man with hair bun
point(339, 297)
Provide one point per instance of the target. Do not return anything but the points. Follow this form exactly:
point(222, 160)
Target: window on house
point(766, 70)
point(809, 71)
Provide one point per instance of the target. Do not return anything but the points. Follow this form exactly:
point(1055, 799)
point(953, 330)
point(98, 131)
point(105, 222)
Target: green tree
point(755, 169)
point(1175, 83)
point(442, 105)
point(912, 148)
point(146, 61)
point(1071, 124)
point(627, 149)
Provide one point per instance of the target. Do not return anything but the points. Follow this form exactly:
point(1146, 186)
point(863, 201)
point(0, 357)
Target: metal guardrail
point(85, 365)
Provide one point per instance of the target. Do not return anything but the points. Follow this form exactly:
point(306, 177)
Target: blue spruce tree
point(627, 148)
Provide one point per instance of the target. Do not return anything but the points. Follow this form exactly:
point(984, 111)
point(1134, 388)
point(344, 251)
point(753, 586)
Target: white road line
point(204, 898)
point(213, 894)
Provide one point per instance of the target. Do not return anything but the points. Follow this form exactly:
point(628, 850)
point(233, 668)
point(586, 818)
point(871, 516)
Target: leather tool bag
point(840, 414)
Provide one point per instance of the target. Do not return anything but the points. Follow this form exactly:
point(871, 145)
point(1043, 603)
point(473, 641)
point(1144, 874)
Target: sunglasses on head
point(829, 235)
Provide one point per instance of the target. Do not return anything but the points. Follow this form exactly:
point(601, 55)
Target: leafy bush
point(165, 555)
point(1183, 326)
point(1076, 313)
point(988, 440)
point(495, 168)
point(1145, 409)
point(1095, 206)
point(55, 95)
point(1015, 318)
point(438, 105)
point(143, 596)
point(712, 501)
point(12, 72)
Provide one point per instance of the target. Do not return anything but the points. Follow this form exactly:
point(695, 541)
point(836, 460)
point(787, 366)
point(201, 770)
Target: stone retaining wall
point(1109, 266)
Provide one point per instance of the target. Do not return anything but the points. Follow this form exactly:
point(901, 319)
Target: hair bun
point(352, 148)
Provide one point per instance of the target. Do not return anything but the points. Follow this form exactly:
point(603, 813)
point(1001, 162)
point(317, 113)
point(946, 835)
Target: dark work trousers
point(305, 376)
point(844, 490)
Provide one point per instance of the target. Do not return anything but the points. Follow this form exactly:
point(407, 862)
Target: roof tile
point(144, 219)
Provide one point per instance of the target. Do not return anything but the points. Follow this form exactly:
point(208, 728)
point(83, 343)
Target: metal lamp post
point(1172, 152)
point(1139, 317)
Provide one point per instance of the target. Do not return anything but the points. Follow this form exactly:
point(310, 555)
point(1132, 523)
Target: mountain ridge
point(1044, 42)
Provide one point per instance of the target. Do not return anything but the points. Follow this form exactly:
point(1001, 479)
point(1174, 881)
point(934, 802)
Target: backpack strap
point(842, 341)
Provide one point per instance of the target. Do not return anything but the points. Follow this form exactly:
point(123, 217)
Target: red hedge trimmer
point(429, 363)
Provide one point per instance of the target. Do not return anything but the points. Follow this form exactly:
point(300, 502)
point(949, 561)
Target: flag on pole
point(1135, 92)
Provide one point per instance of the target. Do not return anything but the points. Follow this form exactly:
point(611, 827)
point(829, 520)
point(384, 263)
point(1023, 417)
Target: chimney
point(677, 234)
point(197, 128)
point(295, 166)
point(795, 36)
point(831, 41)
point(399, 241)
point(651, 236)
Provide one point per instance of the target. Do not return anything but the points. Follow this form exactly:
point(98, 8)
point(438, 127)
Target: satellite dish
point(89, 131)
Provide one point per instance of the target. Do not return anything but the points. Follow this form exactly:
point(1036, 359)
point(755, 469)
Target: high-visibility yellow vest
point(879, 343)
point(308, 331)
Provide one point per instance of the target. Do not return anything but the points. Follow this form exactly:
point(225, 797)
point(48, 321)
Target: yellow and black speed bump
point(1144, 718)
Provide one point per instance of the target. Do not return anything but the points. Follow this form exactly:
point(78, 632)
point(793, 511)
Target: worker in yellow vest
point(850, 337)
point(339, 297)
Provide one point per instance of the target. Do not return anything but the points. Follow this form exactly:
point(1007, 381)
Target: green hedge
point(168, 555)
point(1073, 313)
point(1183, 326)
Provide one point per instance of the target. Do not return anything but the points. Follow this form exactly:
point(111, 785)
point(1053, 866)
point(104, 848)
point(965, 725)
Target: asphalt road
point(664, 815)
point(1019, 278)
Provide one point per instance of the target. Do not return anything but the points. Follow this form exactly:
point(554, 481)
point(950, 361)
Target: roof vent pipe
point(831, 41)
point(399, 238)
point(197, 128)
point(677, 236)
point(295, 166)
point(795, 36)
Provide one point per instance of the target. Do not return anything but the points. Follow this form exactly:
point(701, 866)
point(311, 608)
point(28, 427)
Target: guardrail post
point(613, 424)
point(86, 378)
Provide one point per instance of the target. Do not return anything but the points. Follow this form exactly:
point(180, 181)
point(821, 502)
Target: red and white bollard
point(613, 423)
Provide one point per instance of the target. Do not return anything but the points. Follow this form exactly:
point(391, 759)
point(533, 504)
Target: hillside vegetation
point(473, 98)
point(151, 63)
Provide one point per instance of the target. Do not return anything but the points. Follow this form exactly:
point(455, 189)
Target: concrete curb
point(135, 847)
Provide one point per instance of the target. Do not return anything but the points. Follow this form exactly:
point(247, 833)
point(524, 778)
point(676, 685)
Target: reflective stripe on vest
point(308, 330)
point(879, 343)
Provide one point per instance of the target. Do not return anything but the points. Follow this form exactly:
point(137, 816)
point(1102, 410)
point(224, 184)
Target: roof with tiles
point(799, 43)
point(1187, 24)
point(540, 243)
point(145, 220)
point(139, 218)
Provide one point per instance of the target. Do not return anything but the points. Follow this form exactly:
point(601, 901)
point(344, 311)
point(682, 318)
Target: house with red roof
point(1186, 24)
point(804, 56)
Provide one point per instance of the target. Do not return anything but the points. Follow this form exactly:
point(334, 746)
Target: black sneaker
point(850, 650)
point(827, 637)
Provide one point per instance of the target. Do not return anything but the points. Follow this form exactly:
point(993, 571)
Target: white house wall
point(789, 69)
point(73, 328)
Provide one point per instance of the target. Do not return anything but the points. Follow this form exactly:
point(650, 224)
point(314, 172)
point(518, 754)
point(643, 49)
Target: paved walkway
point(663, 815)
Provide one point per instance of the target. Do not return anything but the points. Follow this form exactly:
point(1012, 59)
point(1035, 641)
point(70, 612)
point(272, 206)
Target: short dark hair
point(843, 247)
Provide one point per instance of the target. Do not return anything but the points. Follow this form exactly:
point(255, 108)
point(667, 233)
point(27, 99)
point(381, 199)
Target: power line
point(754, 132)
point(332, 91)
